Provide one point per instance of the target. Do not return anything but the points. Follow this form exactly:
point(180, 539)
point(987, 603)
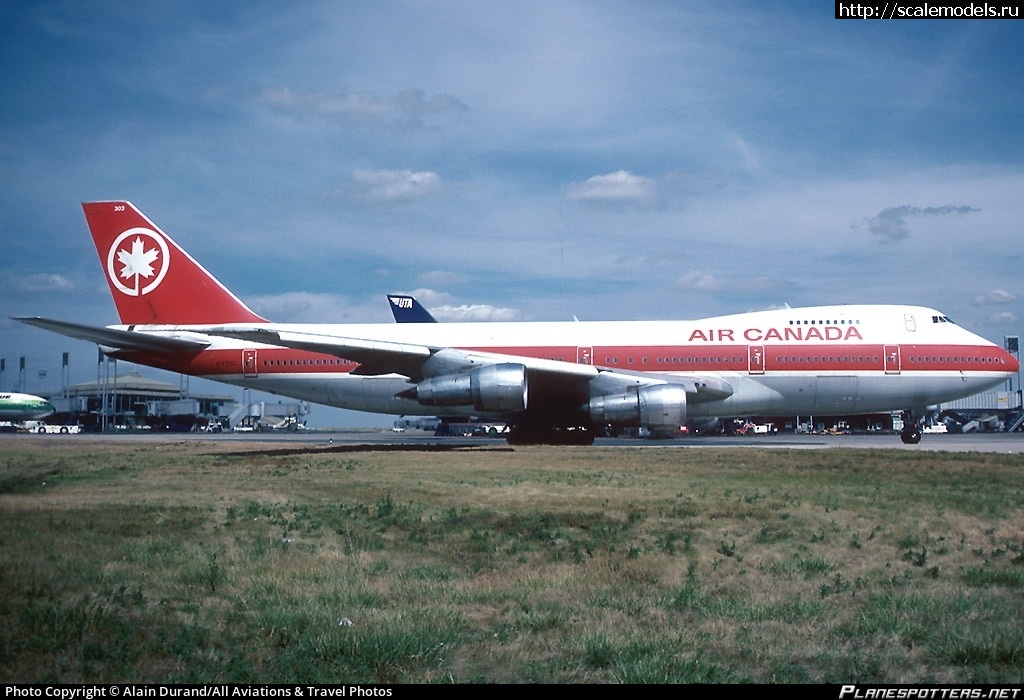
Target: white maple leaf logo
point(138, 262)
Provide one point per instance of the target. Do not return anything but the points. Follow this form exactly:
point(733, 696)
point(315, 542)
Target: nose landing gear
point(911, 433)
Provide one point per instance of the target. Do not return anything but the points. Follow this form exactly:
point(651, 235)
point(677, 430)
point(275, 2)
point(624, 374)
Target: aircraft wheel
point(521, 436)
point(911, 436)
point(550, 436)
point(581, 436)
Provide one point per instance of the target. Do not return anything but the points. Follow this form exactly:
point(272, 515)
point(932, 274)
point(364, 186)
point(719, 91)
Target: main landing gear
point(911, 433)
point(550, 435)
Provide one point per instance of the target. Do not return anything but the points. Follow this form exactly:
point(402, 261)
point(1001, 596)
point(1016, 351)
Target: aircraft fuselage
point(829, 360)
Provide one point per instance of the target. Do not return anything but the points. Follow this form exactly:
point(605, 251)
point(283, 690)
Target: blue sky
point(514, 160)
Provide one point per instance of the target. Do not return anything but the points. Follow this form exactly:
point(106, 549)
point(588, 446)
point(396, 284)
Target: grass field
point(205, 561)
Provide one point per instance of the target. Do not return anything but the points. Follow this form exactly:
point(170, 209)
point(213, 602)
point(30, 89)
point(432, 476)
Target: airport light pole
point(1011, 343)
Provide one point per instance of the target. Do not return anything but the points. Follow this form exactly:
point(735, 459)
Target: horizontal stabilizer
point(115, 338)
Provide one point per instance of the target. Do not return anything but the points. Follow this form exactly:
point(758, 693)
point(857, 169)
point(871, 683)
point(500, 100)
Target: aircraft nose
point(1012, 363)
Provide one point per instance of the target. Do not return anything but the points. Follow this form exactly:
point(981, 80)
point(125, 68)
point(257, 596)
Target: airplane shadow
point(368, 447)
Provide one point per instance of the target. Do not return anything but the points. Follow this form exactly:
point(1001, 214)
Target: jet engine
point(658, 407)
point(500, 387)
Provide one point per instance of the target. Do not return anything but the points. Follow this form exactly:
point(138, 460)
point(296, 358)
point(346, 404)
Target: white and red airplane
point(552, 381)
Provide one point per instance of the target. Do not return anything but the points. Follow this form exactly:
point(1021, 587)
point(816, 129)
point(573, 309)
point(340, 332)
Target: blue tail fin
point(406, 309)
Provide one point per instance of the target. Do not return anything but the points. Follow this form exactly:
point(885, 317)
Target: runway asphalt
point(1006, 443)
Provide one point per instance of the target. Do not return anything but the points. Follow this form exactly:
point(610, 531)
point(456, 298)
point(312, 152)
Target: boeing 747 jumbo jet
point(553, 382)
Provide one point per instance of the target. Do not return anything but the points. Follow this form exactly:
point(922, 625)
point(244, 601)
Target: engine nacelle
point(658, 407)
point(499, 387)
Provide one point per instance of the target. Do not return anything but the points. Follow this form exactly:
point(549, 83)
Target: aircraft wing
point(420, 362)
point(115, 338)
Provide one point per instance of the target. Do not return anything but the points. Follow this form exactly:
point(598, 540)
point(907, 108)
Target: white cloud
point(618, 187)
point(697, 281)
point(996, 296)
point(1003, 318)
point(396, 185)
point(409, 107)
point(749, 159)
point(40, 283)
point(429, 298)
point(475, 312)
point(47, 282)
point(306, 307)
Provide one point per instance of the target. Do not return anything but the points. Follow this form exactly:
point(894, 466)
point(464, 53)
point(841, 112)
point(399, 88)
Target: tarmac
point(1005, 443)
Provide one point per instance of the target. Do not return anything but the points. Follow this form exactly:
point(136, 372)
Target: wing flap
point(700, 388)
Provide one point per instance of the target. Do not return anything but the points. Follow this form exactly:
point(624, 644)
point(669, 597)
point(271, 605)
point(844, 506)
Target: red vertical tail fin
point(152, 280)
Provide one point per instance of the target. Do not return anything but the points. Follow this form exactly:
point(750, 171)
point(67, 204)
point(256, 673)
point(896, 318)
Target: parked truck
point(38, 426)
